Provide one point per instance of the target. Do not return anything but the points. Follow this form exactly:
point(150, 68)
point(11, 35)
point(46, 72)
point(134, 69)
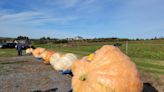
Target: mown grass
point(145, 51)
point(148, 55)
point(8, 52)
point(79, 50)
point(134, 50)
point(150, 65)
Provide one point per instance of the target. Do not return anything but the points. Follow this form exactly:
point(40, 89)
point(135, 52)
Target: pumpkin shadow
point(147, 87)
point(50, 90)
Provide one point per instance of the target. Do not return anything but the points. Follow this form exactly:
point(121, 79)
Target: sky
point(86, 18)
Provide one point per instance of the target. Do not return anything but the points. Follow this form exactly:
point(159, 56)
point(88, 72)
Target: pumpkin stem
point(83, 77)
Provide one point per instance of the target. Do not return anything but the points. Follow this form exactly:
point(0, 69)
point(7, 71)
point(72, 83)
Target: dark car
point(7, 45)
point(1, 45)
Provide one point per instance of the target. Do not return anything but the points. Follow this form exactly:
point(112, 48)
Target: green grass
point(145, 51)
point(148, 55)
point(8, 52)
point(134, 50)
point(79, 50)
point(150, 65)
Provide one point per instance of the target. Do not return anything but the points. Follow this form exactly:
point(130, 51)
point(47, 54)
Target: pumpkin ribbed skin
point(109, 71)
point(46, 55)
point(37, 52)
point(64, 62)
point(54, 58)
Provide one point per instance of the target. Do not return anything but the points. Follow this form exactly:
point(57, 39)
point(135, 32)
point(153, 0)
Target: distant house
point(23, 41)
point(70, 39)
point(9, 41)
point(75, 38)
point(6, 40)
point(78, 38)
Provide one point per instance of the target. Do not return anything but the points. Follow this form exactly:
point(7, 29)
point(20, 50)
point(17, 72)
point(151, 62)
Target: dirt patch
point(26, 74)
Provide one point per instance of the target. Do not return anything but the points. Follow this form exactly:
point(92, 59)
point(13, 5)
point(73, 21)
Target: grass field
point(148, 55)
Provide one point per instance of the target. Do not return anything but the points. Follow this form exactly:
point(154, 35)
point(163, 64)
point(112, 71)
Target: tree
point(22, 38)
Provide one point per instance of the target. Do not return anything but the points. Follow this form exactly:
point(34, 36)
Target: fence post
point(126, 47)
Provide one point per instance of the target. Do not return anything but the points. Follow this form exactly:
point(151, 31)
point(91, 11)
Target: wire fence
point(143, 50)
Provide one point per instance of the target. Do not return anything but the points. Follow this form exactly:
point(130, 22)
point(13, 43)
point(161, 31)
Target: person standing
point(19, 48)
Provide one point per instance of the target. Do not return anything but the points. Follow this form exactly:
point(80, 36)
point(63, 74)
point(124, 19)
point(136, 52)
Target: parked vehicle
point(7, 45)
point(13, 45)
point(1, 45)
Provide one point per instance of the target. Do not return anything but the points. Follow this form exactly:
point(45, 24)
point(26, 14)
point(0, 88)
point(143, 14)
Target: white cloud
point(48, 13)
point(18, 16)
point(35, 18)
point(61, 17)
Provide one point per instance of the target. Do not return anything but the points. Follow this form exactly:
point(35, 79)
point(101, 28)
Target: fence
point(143, 50)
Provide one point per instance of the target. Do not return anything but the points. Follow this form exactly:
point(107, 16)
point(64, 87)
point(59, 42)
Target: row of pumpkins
point(105, 70)
point(57, 60)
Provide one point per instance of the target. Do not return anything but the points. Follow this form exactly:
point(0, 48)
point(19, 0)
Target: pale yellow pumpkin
point(54, 58)
point(64, 62)
point(109, 71)
point(29, 50)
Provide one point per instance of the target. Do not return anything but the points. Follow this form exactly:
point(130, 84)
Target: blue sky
point(86, 18)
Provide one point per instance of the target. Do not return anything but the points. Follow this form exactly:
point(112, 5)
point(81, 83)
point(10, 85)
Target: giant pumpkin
point(38, 51)
point(109, 71)
point(64, 62)
point(46, 55)
point(55, 58)
point(29, 50)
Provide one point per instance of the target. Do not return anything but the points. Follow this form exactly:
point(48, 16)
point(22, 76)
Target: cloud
point(37, 16)
point(34, 18)
point(17, 16)
point(89, 18)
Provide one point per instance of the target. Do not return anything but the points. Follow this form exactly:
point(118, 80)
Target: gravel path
point(25, 74)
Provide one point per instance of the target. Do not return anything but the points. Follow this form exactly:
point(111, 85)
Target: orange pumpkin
point(109, 71)
point(37, 52)
point(46, 55)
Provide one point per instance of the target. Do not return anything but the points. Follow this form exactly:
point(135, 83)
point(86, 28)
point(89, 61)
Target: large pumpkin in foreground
point(46, 55)
point(38, 51)
point(109, 71)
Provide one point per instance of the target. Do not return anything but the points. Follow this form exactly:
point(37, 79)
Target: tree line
point(44, 40)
